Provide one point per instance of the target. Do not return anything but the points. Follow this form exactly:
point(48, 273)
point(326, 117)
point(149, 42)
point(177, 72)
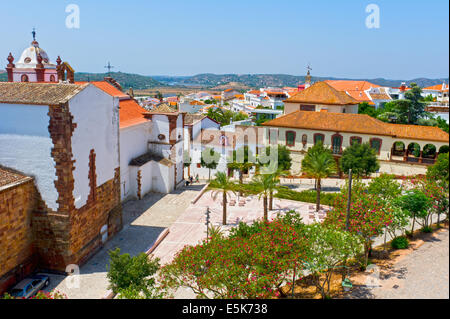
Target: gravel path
point(423, 274)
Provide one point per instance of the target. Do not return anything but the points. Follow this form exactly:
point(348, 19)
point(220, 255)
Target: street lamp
point(207, 222)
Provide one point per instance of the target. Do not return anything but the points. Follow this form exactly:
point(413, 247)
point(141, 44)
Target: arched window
point(52, 78)
point(336, 143)
point(375, 143)
point(356, 139)
point(24, 78)
point(319, 137)
point(290, 138)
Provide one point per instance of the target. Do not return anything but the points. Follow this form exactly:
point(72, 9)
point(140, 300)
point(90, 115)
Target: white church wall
point(97, 117)
point(160, 126)
point(162, 178)
point(147, 171)
point(25, 145)
point(133, 143)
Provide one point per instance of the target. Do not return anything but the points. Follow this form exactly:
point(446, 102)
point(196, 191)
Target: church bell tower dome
point(33, 66)
point(30, 58)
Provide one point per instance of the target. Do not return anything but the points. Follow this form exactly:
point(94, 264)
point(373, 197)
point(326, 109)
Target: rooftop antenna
point(109, 67)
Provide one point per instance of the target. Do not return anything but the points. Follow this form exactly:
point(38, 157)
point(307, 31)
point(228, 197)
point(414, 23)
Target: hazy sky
point(186, 37)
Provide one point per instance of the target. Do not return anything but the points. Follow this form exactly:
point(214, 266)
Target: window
point(290, 138)
point(375, 143)
point(52, 78)
point(319, 137)
point(307, 108)
point(24, 78)
point(336, 143)
point(356, 139)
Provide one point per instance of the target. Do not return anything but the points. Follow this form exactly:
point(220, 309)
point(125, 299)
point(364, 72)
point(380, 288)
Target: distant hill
point(126, 80)
point(279, 80)
point(241, 81)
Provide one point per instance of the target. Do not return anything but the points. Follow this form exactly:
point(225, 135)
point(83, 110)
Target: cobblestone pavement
point(422, 274)
point(143, 222)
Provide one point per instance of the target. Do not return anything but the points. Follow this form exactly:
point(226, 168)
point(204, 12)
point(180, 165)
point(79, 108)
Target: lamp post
point(347, 220)
point(207, 222)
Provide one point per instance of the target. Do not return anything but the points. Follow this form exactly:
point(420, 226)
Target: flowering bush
point(436, 194)
point(251, 266)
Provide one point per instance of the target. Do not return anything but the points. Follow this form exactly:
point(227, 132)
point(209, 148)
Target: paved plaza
point(144, 221)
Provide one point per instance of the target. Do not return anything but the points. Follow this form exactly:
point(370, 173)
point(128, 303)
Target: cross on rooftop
point(109, 67)
point(34, 34)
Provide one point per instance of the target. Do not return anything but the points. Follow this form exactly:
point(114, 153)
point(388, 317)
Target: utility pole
point(347, 220)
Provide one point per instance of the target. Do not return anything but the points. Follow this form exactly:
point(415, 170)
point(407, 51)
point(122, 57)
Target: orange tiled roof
point(356, 123)
point(195, 102)
point(354, 88)
point(437, 87)
point(108, 88)
point(322, 93)
point(10, 177)
point(131, 113)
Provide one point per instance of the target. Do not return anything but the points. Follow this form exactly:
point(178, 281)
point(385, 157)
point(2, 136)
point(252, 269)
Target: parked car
point(29, 287)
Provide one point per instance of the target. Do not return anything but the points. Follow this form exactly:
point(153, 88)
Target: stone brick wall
point(16, 249)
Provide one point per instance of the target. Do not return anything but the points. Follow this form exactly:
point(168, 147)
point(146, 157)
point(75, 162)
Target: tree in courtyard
point(437, 194)
point(416, 108)
point(267, 183)
point(368, 216)
point(284, 160)
point(222, 185)
point(388, 189)
point(210, 159)
point(416, 203)
point(133, 277)
point(318, 163)
point(361, 158)
point(327, 249)
point(440, 170)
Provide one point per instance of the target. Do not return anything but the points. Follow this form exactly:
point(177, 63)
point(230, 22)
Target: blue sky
point(186, 37)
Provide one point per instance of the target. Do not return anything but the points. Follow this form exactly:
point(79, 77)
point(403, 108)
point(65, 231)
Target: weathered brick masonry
point(70, 235)
point(16, 238)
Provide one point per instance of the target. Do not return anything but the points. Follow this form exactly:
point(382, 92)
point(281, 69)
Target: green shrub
point(308, 196)
point(427, 229)
point(400, 243)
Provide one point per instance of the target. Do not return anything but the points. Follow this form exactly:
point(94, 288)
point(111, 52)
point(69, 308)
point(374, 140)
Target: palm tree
point(275, 181)
point(318, 164)
point(267, 184)
point(222, 185)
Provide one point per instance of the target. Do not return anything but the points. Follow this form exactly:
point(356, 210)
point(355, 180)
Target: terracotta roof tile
point(107, 88)
point(10, 177)
point(322, 93)
point(131, 113)
point(38, 93)
point(356, 123)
